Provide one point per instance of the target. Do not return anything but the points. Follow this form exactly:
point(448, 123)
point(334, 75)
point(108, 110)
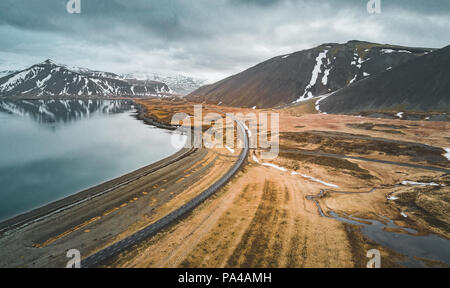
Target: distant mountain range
point(50, 80)
point(303, 75)
point(179, 84)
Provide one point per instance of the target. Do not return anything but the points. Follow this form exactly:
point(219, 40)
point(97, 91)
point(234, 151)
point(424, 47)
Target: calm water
point(52, 149)
point(416, 248)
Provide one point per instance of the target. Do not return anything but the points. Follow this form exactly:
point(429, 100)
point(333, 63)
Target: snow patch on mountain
point(320, 99)
point(325, 76)
point(353, 80)
point(388, 51)
point(315, 74)
point(447, 155)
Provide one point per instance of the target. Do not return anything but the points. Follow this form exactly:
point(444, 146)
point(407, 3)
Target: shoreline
point(121, 211)
point(26, 218)
point(151, 230)
point(142, 115)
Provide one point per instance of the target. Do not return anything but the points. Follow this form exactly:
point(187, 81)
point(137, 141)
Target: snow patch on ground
point(295, 173)
point(275, 166)
point(392, 198)
point(230, 149)
point(365, 74)
point(421, 184)
point(400, 115)
point(319, 181)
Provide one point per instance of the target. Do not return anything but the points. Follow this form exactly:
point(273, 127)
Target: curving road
point(116, 248)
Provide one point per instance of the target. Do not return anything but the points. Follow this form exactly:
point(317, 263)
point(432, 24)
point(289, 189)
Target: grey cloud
point(207, 38)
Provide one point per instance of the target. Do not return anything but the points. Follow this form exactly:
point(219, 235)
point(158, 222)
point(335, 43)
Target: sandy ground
point(257, 221)
point(263, 219)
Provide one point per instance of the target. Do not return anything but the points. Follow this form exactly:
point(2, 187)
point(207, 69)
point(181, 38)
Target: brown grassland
point(262, 218)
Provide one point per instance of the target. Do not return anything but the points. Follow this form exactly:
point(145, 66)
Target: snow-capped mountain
point(302, 75)
point(180, 84)
point(48, 79)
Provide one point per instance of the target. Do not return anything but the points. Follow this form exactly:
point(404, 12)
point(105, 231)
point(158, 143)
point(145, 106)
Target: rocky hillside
point(422, 84)
point(306, 74)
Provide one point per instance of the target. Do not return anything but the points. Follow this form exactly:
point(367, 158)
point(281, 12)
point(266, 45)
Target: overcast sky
point(208, 39)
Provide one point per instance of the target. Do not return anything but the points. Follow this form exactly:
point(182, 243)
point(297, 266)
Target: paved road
point(118, 247)
point(340, 156)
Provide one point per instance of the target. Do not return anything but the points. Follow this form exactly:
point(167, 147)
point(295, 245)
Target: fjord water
point(52, 149)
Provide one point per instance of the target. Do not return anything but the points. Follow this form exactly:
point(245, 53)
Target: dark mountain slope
point(422, 84)
point(305, 74)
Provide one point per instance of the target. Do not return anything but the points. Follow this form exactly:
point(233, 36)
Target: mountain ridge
point(180, 84)
point(419, 85)
point(306, 74)
point(50, 80)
